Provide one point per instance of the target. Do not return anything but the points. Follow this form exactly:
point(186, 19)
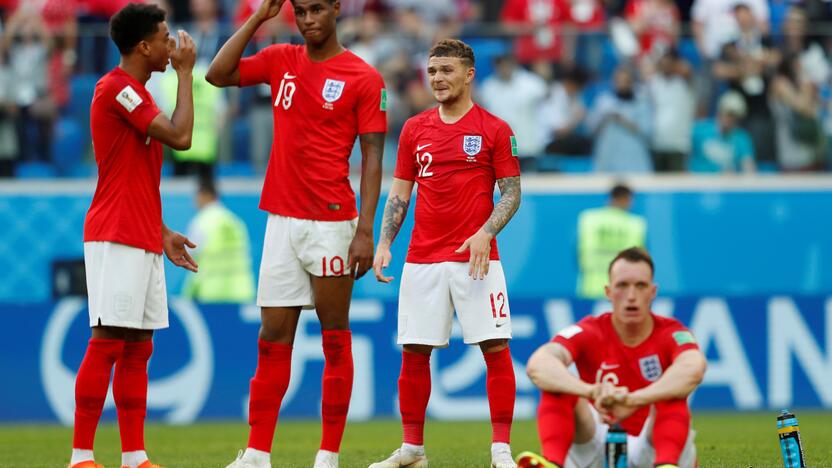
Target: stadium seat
point(688, 51)
point(564, 163)
point(767, 167)
point(241, 140)
point(83, 170)
point(235, 169)
point(67, 147)
point(35, 170)
point(593, 89)
point(486, 50)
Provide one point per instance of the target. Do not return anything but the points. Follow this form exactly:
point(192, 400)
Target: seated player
point(635, 368)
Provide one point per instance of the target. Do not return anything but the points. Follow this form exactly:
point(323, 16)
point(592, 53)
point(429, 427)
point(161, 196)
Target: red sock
point(670, 430)
point(337, 387)
point(91, 388)
point(414, 393)
point(501, 388)
point(556, 425)
point(130, 393)
point(271, 379)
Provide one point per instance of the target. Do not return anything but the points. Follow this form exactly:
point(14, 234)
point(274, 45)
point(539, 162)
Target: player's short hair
point(620, 191)
point(134, 23)
point(453, 48)
point(633, 255)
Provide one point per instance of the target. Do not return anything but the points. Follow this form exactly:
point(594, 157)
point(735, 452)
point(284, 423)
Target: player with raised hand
point(635, 368)
point(455, 153)
point(316, 243)
point(124, 236)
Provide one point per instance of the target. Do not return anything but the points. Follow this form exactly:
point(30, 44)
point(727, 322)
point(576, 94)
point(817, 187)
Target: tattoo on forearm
point(394, 212)
point(506, 206)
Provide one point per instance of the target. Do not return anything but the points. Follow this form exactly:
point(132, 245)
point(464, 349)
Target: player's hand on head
point(269, 9)
point(382, 261)
point(479, 247)
point(184, 56)
point(360, 258)
point(176, 247)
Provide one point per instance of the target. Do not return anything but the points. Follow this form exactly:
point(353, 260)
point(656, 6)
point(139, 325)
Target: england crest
point(472, 144)
point(651, 368)
point(332, 90)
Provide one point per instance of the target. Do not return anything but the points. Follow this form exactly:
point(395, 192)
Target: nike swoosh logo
point(420, 148)
point(287, 76)
point(500, 325)
point(605, 366)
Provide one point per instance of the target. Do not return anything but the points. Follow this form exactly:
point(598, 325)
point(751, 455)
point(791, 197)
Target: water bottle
point(615, 450)
point(790, 445)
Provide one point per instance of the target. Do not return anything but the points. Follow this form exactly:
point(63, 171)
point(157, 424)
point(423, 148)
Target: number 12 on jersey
point(498, 303)
point(424, 161)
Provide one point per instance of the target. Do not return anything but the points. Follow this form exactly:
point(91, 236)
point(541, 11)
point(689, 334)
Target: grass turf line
point(723, 440)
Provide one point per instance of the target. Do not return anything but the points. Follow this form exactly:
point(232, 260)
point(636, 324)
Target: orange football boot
point(86, 464)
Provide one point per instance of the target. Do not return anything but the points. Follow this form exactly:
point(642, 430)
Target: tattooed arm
point(480, 243)
point(398, 201)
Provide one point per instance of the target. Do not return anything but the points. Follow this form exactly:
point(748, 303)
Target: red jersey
point(550, 16)
point(319, 110)
point(600, 356)
point(455, 167)
point(126, 207)
point(660, 23)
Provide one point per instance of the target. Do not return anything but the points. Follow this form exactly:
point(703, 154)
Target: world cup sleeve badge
point(651, 367)
point(471, 145)
point(333, 89)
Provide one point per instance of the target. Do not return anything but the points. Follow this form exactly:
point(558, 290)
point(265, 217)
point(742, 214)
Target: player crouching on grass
point(635, 368)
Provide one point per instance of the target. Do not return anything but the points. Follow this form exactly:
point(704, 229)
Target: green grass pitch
point(723, 440)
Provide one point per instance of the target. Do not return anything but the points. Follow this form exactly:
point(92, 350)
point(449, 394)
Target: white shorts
point(125, 286)
point(430, 292)
point(294, 249)
point(640, 451)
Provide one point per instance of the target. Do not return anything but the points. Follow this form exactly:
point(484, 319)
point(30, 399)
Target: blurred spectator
point(8, 136)
point(27, 42)
point(602, 233)
point(210, 103)
point(796, 41)
point(61, 20)
point(514, 95)
point(433, 11)
point(222, 252)
point(674, 108)
point(94, 45)
point(562, 115)
point(714, 23)
point(795, 104)
point(588, 24)
point(540, 25)
point(720, 144)
point(746, 64)
point(655, 23)
point(621, 121)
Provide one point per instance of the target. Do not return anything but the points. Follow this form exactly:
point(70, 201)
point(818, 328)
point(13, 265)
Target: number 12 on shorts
point(498, 304)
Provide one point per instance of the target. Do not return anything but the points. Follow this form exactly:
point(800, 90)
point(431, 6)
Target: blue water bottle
point(615, 450)
point(790, 445)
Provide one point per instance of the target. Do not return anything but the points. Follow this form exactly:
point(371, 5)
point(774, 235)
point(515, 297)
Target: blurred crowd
point(617, 86)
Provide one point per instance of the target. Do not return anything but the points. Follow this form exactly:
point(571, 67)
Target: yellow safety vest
point(602, 234)
point(204, 142)
point(224, 259)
